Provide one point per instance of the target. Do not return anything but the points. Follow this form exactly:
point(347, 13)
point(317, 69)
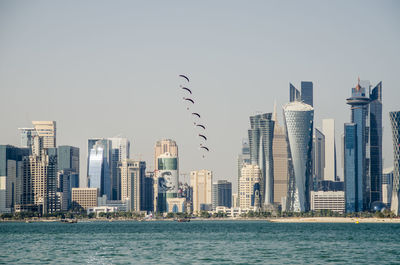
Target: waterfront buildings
point(299, 119)
point(375, 143)
point(318, 158)
point(176, 205)
point(328, 130)
point(387, 186)
point(11, 175)
point(132, 174)
point(356, 181)
point(99, 166)
point(395, 124)
point(201, 181)
point(222, 194)
point(261, 136)
point(43, 180)
point(120, 150)
point(85, 197)
point(328, 200)
point(280, 158)
point(250, 186)
point(243, 158)
point(167, 179)
point(161, 147)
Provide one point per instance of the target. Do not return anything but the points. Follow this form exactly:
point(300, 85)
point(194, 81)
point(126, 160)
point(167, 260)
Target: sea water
point(199, 242)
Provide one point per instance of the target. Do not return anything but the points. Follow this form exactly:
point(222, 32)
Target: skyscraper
point(68, 173)
point(318, 158)
point(161, 147)
point(168, 179)
point(352, 182)
point(280, 158)
point(306, 94)
point(328, 129)
point(46, 130)
point(68, 158)
point(201, 181)
point(395, 122)
point(26, 137)
point(132, 174)
point(299, 119)
point(359, 114)
point(375, 142)
point(99, 166)
point(120, 151)
point(243, 158)
point(222, 194)
point(261, 136)
point(249, 186)
point(11, 174)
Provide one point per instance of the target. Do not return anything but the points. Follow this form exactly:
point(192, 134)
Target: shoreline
point(271, 220)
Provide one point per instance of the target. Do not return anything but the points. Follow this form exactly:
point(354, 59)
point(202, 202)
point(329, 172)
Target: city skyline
point(81, 89)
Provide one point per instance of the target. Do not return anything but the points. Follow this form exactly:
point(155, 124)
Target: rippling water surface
point(217, 242)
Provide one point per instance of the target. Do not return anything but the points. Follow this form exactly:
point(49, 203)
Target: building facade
point(318, 158)
point(395, 122)
point(132, 174)
point(222, 194)
point(201, 181)
point(356, 171)
point(99, 166)
point(279, 152)
point(261, 136)
point(46, 130)
point(328, 129)
point(243, 158)
point(249, 181)
point(120, 150)
point(299, 119)
point(85, 197)
point(328, 200)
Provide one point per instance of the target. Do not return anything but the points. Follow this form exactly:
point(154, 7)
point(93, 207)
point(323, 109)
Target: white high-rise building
point(299, 118)
point(328, 129)
point(120, 148)
point(251, 175)
point(201, 181)
point(132, 174)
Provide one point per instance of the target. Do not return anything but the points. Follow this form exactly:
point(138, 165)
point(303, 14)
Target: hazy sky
point(107, 68)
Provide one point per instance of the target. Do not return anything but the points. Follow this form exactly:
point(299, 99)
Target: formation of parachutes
point(188, 99)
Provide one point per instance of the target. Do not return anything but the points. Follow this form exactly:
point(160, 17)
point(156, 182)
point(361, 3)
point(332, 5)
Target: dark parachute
point(196, 114)
point(202, 126)
point(189, 99)
point(183, 76)
point(203, 136)
point(206, 148)
point(187, 89)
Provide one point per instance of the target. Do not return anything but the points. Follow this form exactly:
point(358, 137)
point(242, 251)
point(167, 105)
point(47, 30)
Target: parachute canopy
point(189, 99)
point(187, 89)
point(205, 148)
point(183, 76)
point(202, 126)
point(196, 114)
point(203, 136)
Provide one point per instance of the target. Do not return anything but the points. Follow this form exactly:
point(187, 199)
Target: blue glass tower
point(352, 185)
point(359, 111)
point(99, 166)
point(375, 142)
point(306, 94)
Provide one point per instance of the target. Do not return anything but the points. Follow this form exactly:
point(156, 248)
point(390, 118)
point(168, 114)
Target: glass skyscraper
point(261, 137)
point(306, 94)
point(375, 143)
point(299, 120)
point(99, 166)
point(362, 189)
point(353, 185)
point(395, 122)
